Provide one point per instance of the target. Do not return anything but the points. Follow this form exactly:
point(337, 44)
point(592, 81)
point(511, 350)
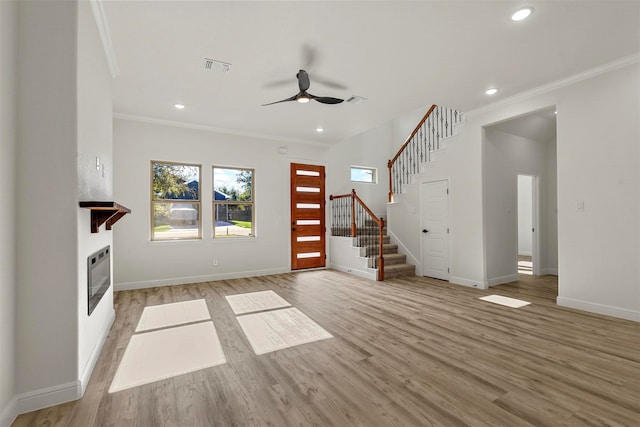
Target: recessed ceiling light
point(522, 14)
point(319, 129)
point(491, 91)
point(179, 106)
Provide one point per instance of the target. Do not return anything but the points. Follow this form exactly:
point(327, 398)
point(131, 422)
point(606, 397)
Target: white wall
point(95, 139)
point(460, 163)
point(47, 302)
point(525, 215)
point(8, 147)
point(505, 156)
point(549, 213)
point(64, 121)
point(598, 162)
point(371, 148)
point(141, 263)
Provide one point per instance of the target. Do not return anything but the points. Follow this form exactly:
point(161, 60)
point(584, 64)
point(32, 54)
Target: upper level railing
point(350, 217)
point(426, 138)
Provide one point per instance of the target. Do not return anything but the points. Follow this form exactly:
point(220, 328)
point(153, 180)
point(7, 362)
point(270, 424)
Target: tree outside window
point(233, 202)
point(175, 201)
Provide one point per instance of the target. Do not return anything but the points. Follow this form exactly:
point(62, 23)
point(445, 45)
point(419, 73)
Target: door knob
point(425, 230)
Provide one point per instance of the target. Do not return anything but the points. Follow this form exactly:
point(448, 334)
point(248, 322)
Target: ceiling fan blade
point(329, 83)
point(293, 98)
point(309, 56)
point(326, 99)
point(278, 83)
point(303, 80)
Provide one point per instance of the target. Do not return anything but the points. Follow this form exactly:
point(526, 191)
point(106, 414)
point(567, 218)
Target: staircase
point(356, 233)
point(395, 264)
point(359, 243)
point(428, 137)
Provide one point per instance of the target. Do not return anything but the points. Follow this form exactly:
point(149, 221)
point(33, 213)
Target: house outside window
point(175, 201)
point(233, 202)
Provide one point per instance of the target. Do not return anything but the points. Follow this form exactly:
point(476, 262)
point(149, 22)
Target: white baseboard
point(607, 310)
point(356, 272)
point(50, 396)
point(551, 271)
point(95, 353)
point(196, 279)
point(467, 282)
point(503, 279)
point(525, 253)
point(9, 413)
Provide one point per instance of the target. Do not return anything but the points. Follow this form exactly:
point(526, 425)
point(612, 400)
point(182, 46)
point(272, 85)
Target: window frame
point(197, 202)
point(374, 174)
point(215, 202)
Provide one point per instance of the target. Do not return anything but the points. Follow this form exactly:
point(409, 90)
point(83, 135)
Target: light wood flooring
point(406, 352)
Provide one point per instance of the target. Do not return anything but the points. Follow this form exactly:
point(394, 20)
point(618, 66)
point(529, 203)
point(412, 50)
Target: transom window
point(175, 201)
point(233, 202)
point(364, 174)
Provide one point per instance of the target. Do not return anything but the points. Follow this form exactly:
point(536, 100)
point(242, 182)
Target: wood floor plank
point(405, 352)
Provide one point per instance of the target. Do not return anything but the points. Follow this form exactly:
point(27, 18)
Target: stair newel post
point(380, 254)
point(389, 166)
point(354, 229)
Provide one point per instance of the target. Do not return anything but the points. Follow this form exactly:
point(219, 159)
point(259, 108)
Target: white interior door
point(434, 201)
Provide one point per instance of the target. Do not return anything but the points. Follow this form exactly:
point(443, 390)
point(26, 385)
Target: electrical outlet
point(215, 261)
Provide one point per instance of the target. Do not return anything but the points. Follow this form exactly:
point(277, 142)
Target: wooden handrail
point(406, 142)
point(354, 228)
point(378, 221)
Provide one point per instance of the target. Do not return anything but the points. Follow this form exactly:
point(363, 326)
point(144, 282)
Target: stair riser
point(395, 260)
point(373, 250)
point(410, 270)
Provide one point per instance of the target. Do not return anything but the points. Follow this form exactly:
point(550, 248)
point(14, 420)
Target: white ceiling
point(401, 55)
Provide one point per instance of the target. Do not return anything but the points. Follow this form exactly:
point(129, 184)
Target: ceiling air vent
point(219, 66)
point(355, 99)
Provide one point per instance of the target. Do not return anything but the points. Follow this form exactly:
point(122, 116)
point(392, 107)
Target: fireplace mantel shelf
point(101, 212)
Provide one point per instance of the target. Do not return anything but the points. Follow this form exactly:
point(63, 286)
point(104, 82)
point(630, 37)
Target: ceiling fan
point(303, 96)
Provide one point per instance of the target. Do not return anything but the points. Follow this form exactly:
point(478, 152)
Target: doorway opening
point(527, 227)
point(520, 168)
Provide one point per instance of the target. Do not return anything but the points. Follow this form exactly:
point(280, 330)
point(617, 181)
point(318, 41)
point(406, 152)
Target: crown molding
point(224, 131)
point(105, 35)
point(593, 72)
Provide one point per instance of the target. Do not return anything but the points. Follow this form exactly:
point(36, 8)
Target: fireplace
point(99, 276)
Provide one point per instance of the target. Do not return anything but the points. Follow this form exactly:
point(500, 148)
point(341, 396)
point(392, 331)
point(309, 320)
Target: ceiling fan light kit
point(303, 96)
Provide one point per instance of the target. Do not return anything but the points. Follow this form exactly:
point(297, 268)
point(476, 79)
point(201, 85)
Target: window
point(233, 202)
point(175, 201)
point(364, 174)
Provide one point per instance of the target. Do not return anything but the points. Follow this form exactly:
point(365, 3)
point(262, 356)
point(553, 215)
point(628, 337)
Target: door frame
point(449, 245)
point(535, 221)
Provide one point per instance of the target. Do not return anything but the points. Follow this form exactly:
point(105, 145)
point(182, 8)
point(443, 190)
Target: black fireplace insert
point(99, 276)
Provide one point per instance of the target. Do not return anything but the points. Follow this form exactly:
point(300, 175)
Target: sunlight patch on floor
point(174, 314)
point(157, 355)
point(255, 301)
point(509, 302)
point(525, 267)
point(279, 329)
